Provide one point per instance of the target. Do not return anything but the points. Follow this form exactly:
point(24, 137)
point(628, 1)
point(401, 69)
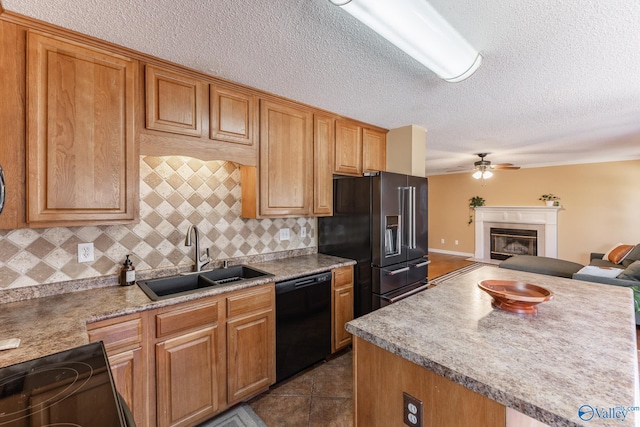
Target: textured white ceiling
point(559, 82)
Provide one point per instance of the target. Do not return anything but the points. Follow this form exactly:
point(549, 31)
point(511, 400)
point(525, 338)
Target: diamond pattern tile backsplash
point(175, 192)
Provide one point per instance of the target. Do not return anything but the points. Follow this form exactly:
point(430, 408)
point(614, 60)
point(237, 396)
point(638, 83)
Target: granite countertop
point(580, 349)
point(55, 323)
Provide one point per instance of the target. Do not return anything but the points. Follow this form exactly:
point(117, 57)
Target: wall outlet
point(284, 234)
point(442, 241)
point(303, 232)
point(412, 410)
point(85, 252)
point(456, 242)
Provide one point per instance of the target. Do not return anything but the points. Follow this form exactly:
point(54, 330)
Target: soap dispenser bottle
point(127, 273)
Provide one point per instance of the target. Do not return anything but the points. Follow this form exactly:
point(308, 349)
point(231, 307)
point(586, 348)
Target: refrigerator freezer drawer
point(418, 270)
point(391, 278)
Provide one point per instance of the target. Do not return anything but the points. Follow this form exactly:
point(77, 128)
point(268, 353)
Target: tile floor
point(322, 396)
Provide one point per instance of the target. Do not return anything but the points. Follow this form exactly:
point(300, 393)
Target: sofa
point(620, 266)
point(624, 271)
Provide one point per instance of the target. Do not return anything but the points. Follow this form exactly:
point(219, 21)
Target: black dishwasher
point(303, 323)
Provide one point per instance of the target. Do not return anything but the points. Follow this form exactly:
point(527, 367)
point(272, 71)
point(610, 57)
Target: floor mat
point(240, 416)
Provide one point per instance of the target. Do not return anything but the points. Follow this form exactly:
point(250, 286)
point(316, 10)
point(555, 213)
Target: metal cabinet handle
point(2, 189)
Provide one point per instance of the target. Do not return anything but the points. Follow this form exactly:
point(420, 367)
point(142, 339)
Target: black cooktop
point(70, 388)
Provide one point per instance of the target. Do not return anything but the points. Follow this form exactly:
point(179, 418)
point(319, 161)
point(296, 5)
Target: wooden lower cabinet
point(123, 340)
point(445, 403)
point(125, 367)
point(187, 375)
point(341, 307)
point(250, 342)
point(182, 364)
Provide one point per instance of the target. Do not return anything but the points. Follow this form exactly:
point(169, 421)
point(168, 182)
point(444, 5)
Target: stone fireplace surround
point(543, 219)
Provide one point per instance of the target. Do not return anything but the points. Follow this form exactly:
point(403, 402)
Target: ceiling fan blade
point(506, 166)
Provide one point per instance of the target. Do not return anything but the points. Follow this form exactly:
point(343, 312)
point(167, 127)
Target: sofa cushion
point(600, 271)
point(542, 265)
point(617, 253)
point(632, 272)
point(603, 263)
point(632, 256)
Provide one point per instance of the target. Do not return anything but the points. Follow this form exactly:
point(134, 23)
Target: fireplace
point(541, 220)
point(507, 242)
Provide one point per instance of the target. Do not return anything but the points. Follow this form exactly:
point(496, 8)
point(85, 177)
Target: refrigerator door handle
point(421, 264)
point(406, 294)
point(412, 198)
point(394, 272)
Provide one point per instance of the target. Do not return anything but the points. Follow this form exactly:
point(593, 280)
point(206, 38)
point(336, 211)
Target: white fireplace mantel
point(544, 219)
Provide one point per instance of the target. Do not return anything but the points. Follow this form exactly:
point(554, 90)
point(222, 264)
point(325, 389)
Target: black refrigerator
point(380, 220)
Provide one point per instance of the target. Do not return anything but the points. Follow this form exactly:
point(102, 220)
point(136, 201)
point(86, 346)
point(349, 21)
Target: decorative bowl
point(515, 296)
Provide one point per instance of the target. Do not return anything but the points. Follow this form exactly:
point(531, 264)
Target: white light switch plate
point(85, 252)
point(284, 234)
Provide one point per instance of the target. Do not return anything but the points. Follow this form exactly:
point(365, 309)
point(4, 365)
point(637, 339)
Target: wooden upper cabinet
point(188, 115)
point(82, 162)
point(233, 115)
point(358, 149)
point(374, 150)
point(173, 102)
point(323, 147)
point(282, 184)
point(348, 148)
point(12, 124)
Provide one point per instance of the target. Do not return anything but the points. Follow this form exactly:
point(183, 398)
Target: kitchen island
point(472, 364)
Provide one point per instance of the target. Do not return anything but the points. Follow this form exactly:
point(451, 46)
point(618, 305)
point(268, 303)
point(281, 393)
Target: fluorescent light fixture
point(418, 29)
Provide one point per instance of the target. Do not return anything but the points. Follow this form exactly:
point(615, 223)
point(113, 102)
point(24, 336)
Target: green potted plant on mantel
point(550, 199)
point(474, 202)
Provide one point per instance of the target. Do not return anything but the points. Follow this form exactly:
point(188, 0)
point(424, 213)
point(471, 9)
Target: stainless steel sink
point(168, 287)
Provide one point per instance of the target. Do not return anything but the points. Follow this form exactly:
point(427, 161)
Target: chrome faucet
point(200, 262)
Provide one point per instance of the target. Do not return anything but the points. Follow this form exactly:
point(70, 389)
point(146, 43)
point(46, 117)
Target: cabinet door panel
point(348, 148)
point(343, 298)
point(323, 147)
point(173, 102)
point(128, 376)
point(374, 151)
point(342, 306)
point(186, 378)
point(286, 160)
point(12, 124)
point(82, 163)
point(250, 343)
point(233, 115)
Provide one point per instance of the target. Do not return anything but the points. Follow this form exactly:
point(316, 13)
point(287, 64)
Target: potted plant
point(550, 199)
point(474, 202)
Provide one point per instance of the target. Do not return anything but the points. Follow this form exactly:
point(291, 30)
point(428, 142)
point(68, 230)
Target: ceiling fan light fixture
point(477, 174)
point(420, 31)
point(487, 174)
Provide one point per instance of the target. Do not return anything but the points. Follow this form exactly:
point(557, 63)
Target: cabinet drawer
point(117, 335)
point(342, 276)
point(250, 301)
point(185, 318)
